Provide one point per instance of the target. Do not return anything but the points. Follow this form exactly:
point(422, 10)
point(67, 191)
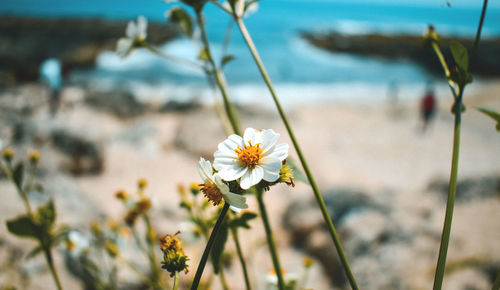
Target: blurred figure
point(51, 75)
point(427, 107)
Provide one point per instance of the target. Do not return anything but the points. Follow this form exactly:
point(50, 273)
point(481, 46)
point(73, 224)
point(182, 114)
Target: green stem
point(176, 281)
point(156, 272)
point(445, 238)
point(234, 233)
point(219, 77)
point(446, 70)
point(270, 239)
point(317, 193)
point(50, 262)
point(171, 57)
point(222, 277)
point(208, 247)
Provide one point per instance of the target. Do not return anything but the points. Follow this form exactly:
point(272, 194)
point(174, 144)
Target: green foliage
point(204, 55)
point(496, 284)
point(182, 19)
point(226, 59)
point(219, 244)
point(242, 220)
point(460, 74)
point(460, 55)
point(23, 226)
point(18, 174)
point(492, 114)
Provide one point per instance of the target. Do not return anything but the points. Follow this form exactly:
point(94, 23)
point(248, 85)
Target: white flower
point(251, 158)
point(240, 8)
point(291, 280)
point(76, 243)
point(215, 189)
point(135, 32)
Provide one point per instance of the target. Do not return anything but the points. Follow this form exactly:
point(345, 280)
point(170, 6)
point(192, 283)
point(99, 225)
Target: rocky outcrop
point(408, 47)
point(27, 42)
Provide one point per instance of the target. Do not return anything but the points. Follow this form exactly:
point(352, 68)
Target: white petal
point(220, 163)
point(269, 138)
point(235, 209)
point(142, 27)
point(224, 189)
point(123, 47)
point(279, 151)
point(205, 170)
point(231, 143)
point(236, 200)
point(249, 136)
point(132, 30)
point(252, 177)
point(232, 173)
point(226, 154)
point(271, 168)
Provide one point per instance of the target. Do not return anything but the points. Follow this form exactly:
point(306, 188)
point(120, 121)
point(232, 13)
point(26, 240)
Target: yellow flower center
point(212, 192)
point(250, 155)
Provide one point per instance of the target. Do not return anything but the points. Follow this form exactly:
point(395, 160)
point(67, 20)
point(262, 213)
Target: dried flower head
point(142, 183)
point(121, 195)
point(34, 157)
point(7, 154)
point(286, 175)
point(174, 259)
point(143, 205)
point(131, 217)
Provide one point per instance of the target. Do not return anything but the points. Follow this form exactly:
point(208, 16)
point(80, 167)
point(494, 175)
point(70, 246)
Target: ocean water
point(300, 70)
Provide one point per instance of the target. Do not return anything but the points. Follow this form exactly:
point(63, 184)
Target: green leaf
point(492, 114)
point(298, 175)
point(182, 19)
point(218, 247)
point(22, 226)
point(460, 55)
point(33, 253)
point(18, 174)
point(226, 60)
point(204, 55)
point(496, 284)
point(47, 214)
point(242, 220)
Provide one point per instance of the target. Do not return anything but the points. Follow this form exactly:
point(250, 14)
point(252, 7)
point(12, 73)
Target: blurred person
point(428, 106)
point(51, 75)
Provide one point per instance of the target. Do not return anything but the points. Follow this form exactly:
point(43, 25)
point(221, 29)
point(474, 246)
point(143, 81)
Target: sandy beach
point(374, 148)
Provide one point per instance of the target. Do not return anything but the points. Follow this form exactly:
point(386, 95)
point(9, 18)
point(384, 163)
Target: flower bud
point(34, 157)
point(7, 154)
point(174, 259)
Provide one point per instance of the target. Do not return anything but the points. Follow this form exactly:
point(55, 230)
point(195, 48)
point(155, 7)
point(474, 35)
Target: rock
point(82, 156)
point(368, 232)
point(26, 42)
point(408, 47)
point(122, 104)
point(468, 188)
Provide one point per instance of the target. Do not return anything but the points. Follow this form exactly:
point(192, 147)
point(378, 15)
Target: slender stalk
point(176, 280)
point(445, 237)
point(171, 57)
point(223, 278)
point(236, 240)
point(208, 247)
point(270, 239)
point(150, 241)
point(446, 70)
point(219, 77)
point(50, 262)
point(317, 193)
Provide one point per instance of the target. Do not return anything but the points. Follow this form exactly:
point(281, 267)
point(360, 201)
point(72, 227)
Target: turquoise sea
point(292, 63)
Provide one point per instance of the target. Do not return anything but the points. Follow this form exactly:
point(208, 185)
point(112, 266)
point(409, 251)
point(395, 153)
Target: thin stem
point(234, 233)
point(171, 57)
point(317, 193)
point(222, 277)
point(444, 65)
point(50, 262)
point(208, 247)
point(270, 239)
point(219, 77)
point(479, 28)
point(445, 238)
point(176, 281)
point(150, 241)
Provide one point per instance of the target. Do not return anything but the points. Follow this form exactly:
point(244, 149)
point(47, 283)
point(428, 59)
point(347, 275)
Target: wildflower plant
point(38, 224)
